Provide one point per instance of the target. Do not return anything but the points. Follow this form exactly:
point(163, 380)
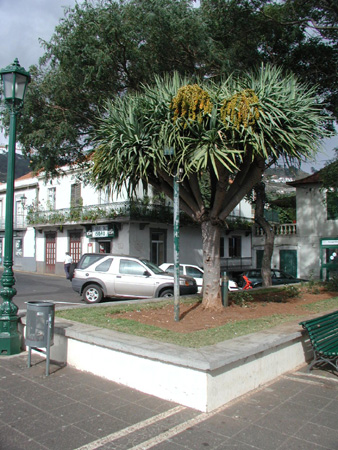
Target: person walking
point(66, 264)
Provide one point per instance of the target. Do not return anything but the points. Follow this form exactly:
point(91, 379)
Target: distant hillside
point(21, 167)
point(286, 172)
point(276, 179)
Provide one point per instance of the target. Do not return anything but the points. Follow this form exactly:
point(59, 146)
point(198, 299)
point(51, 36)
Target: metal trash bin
point(40, 328)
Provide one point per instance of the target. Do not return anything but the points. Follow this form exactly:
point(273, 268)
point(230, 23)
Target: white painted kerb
point(203, 378)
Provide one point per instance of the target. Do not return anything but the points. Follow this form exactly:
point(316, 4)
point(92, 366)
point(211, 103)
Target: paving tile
point(104, 402)
point(311, 400)
point(247, 411)
point(286, 418)
point(68, 438)
point(168, 445)
point(324, 389)
point(233, 444)
point(16, 410)
point(300, 444)
point(81, 391)
point(262, 438)
point(74, 412)
point(332, 407)
point(102, 425)
point(11, 439)
point(156, 404)
point(195, 438)
point(33, 426)
point(326, 419)
point(131, 413)
point(226, 426)
point(317, 434)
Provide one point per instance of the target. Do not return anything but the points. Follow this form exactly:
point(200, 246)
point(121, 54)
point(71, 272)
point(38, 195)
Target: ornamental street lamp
point(15, 80)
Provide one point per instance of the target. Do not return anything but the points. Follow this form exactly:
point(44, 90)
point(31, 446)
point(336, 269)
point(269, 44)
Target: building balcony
point(118, 211)
point(19, 222)
point(285, 229)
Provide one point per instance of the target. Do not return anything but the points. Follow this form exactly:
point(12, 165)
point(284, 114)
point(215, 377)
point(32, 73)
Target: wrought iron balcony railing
point(99, 213)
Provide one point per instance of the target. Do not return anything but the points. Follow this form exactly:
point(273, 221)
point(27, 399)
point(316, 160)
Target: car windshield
point(153, 267)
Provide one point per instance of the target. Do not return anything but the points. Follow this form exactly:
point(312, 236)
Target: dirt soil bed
point(193, 317)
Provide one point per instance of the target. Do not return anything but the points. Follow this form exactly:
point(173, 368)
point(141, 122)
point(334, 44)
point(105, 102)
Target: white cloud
point(23, 22)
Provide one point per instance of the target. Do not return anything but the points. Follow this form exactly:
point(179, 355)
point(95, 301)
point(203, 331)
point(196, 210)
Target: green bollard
point(225, 289)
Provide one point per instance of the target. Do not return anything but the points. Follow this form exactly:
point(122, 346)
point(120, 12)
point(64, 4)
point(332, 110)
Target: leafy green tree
point(329, 180)
point(101, 50)
point(104, 48)
point(223, 136)
point(298, 35)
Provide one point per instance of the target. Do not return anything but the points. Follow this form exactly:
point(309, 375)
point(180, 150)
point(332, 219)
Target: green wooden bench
point(323, 334)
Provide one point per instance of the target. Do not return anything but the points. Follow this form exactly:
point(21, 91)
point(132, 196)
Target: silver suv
point(99, 275)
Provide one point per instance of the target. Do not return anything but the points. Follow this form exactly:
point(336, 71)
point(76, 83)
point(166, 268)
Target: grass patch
point(322, 306)
point(103, 317)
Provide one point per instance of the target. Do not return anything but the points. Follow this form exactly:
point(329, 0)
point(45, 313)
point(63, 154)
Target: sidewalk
point(70, 410)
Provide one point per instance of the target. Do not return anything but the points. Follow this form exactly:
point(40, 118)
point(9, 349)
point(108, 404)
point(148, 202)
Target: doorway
point(158, 240)
point(50, 256)
point(288, 261)
point(104, 247)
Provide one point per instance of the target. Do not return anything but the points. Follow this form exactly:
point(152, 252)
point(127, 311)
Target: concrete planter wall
point(204, 378)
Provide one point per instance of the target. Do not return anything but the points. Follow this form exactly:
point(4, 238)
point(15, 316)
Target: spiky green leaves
point(211, 127)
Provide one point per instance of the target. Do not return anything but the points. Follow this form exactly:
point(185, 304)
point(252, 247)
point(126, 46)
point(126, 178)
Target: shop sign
point(330, 242)
point(101, 231)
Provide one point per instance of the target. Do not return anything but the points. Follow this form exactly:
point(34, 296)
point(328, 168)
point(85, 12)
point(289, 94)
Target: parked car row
point(277, 276)
point(195, 272)
point(99, 275)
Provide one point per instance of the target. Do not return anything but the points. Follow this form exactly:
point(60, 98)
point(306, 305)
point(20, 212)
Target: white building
point(65, 214)
point(309, 248)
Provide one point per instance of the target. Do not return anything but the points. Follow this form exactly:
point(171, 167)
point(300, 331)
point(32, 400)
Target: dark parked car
point(278, 277)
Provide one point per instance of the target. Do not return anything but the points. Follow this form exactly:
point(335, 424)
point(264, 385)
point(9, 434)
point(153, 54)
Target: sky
point(24, 22)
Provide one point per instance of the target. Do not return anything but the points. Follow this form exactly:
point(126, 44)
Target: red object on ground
point(248, 284)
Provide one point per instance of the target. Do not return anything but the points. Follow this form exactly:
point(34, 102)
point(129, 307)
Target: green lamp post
point(15, 80)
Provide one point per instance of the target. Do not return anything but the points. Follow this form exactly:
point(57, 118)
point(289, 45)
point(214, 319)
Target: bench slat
point(323, 335)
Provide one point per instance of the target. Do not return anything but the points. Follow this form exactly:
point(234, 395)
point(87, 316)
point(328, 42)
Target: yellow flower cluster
point(191, 102)
point(242, 109)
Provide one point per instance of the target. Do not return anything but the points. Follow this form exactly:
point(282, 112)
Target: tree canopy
point(223, 136)
point(102, 49)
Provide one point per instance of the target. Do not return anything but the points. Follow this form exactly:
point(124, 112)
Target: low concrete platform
point(72, 409)
point(204, 378)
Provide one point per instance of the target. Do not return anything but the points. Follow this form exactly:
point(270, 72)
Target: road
point(34, 287)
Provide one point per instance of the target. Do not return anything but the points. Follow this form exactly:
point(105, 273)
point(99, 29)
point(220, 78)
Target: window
point(332, 205)
point(18, 247)
point(194, 272)
point(221, 249)
point(171, 269)
point(51, 198)
point(128, 267)
point(104, 196)
point(235, 247)
point(75, 195)
point(88, 260)
point(19, 222)
point(104, 266)
point(158, 246)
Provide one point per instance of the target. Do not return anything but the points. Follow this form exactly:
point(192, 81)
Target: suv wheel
point(92, 293)
point(167, 293)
